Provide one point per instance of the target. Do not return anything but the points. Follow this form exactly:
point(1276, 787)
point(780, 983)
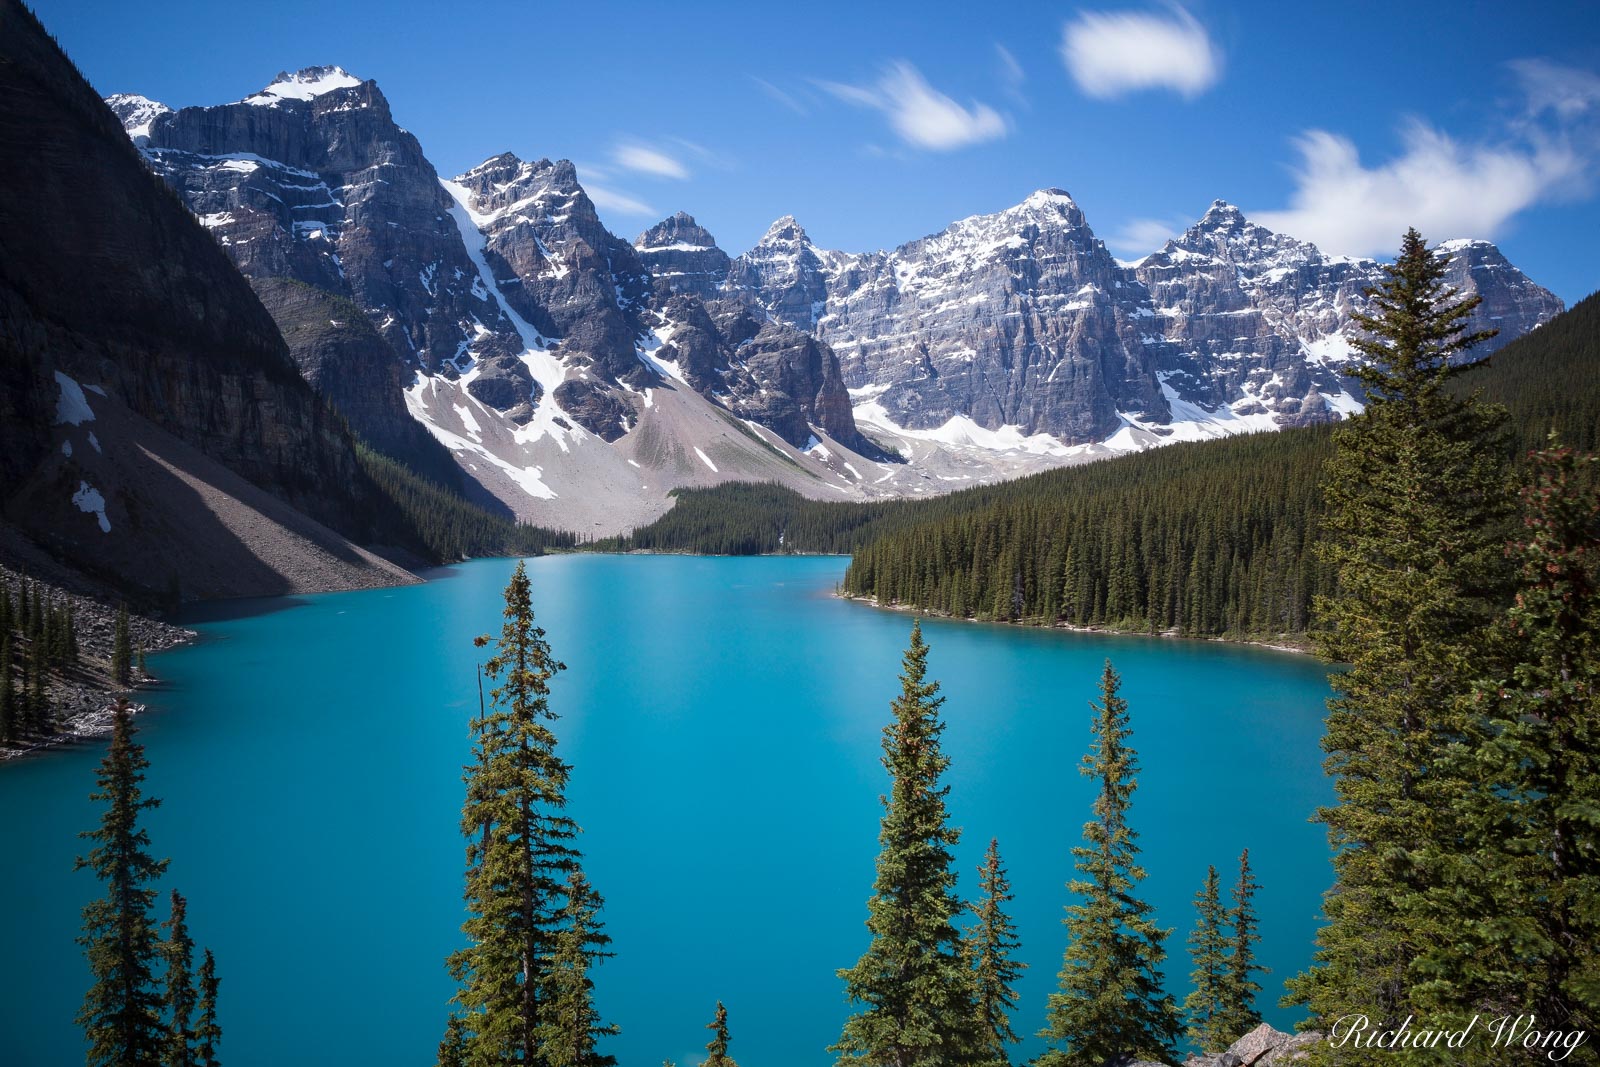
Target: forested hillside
point(1202, 539)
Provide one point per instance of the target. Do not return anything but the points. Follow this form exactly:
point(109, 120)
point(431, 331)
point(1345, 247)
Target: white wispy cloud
point(921, 115)
point(596, 181)
point(608, 199)
point(1443, 186)
point(631, 155)
point(787, 99)
point(1140, 237)
point(1012, 76)
point(1112, 53)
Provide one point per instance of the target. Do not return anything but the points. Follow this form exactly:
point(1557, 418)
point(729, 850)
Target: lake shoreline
point(1279, 645)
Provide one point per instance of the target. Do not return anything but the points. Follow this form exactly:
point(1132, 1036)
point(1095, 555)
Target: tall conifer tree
point(177, 953)
point(1415, 524)
point(9, 729)
point(1208, 947)
point(521, 859)
point(1239, 1015)
point(991, 946)
point(717, 1047)
point(121, 650)
point(1111, 1002)
point(121, 1013)
point(912, 981)
point(1526, 890)
point(207, 1031)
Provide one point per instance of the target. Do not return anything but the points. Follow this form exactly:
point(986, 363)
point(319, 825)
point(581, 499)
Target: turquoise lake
point(722, 717)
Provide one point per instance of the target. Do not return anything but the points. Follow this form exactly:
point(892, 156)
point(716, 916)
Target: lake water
point(722, 717)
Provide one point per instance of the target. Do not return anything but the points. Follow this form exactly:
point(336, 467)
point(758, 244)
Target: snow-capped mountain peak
point(136, 114)
point(305, 84)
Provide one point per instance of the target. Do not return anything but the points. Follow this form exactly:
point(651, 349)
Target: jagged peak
point(136, 113)
point(1220, 214)
point(784, 230)
point(304, 84)
point(678, 230)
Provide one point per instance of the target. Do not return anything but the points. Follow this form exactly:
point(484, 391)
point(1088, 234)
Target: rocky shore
point(81, 700)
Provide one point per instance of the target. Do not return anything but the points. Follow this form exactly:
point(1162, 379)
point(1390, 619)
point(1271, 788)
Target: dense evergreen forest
point(446, 525)
point(1208, 539)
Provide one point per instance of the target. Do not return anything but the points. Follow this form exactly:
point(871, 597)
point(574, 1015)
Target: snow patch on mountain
point(72, 407)
point(304, 84)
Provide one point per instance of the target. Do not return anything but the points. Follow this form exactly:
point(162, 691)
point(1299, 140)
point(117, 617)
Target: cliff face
point(1023, 319)
point(108, 281)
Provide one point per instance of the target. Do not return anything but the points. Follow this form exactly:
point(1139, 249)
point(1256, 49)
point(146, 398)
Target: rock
point(596, 408)
point(1267, 1047)
point(682, 257)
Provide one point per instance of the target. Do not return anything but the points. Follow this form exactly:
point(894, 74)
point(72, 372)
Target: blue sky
point(875, 124)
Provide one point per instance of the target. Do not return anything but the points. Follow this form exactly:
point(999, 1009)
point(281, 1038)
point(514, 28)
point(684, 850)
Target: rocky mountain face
point(1005, 342)
point(139, 366)
point(682, 257)
point(1023, 320)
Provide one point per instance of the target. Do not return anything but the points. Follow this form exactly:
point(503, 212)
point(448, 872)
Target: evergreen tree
point(38, 698)
point(207, 1034)
point(1238, 1015)
point(453, 1047)
point(912, 979)
point(1208, 947)
point(1110, 1002)
point(121, 652)
point(717, 1047)
point(990, 947)
point(1527, 887)
point(121, 1013)
point(520, 859)
point(177, 952)
point(1414, 531)
point(571, 1026)
point(9, 729)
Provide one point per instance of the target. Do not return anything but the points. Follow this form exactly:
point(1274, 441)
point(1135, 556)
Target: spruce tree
point(1527, 888)
point(177, 953)
point(912, 982)
point(207, 1033)
point(1110, 1002)
point(453, 1046)
point(570, 1026)
point(520, 858)
point(121, 652)
point(1208, 947)
point(717, 1047)
point(1414, 529)
point(991, 945)
point(1238, 1015)
point(9, 729)
point(121, 1013)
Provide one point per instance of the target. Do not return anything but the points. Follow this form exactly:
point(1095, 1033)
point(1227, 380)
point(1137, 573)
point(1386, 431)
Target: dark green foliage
point(177, 953)
point(453, 1046)
point(717, 1047)
point(449, 527)
point(913, 984)
point(121, 649)
point(532, 928)
point(1526, 887)
point(570, 1025)
point(121, 1013)
point(1210, 539)
point(10, 729)
point(1208, 947)
point(1110, 1002)
point(1238, 1015)
point(1414, 530)
point(990, 947)
point(207, 1032)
